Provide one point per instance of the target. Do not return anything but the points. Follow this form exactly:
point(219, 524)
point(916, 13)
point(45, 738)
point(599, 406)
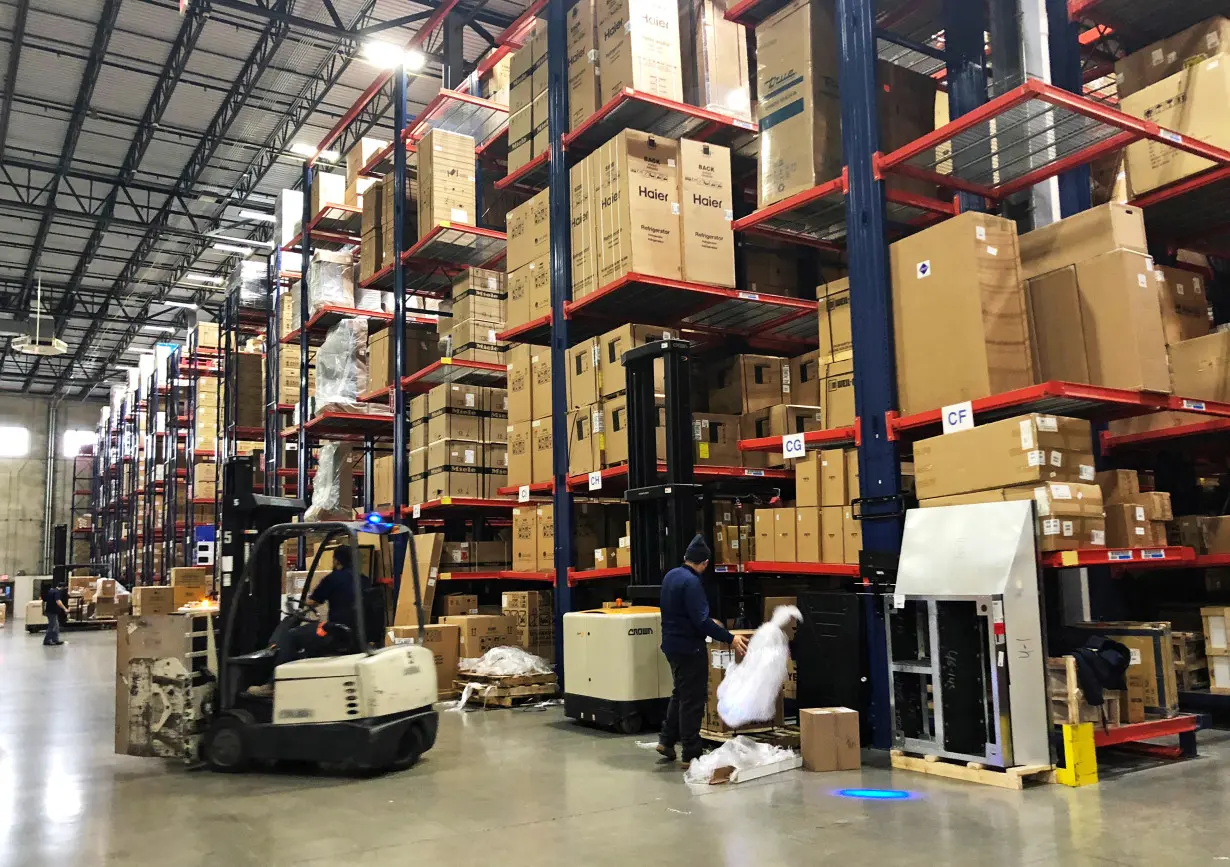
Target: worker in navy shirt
point(337, 589)
point(685, 625)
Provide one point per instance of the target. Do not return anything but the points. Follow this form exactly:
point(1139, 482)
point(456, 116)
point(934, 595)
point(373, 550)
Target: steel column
point(1075, 194)
point(875, 381)
point(561, 292)
point(305, 250)
point(273, 370)
point(454, 53)
point(401, 481)
point(964, 47)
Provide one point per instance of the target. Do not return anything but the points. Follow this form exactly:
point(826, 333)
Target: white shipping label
point(1050, 527)
point(785, 377)
point(674, 209)
point(1056, 459)
point(1061, 492)
point(980, 232)
point(1068, 528)
point(1086, 473)
point(1140, 531)
point(1140, 513)
point(470, 399)
point(1027, 435)
point(595, 355)
point(596, 421)
point(1212, 40)
point(1098, 537)
point(1158, 56)
point(469, 456)
point(958, 417)
point(1043, 501)
point(1143, 281)
point(923, 269)
point(491, 335)
point(992, 251)
point(899, 600)
point(1134, 656)
point(1036, 458)
point(460, 215)
point(417, 511)
point(1047, 423)
point(670, 163)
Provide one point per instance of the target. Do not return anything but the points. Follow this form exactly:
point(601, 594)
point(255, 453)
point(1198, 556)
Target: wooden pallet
point(503, 681)
point(972, 772)
point(1068, 705)
point(787, 736)
point(487, 694)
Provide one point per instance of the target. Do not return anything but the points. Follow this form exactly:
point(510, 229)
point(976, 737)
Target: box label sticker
point(1050, 527)
point(992, 251)
point(980, 232)
point(1098, 537)
point(1027, 435)
point(703, 449)
point(1047, 423)
point(417, 511)
point(1140, 531)
point(923, 269)
point(523, 494)
point(1197, 405)
point(1134, 655)
point(1036, 458)
point(899, 600)
point(1086, 473)
point(1056, 459)
point(1140, 513)
point(793, 446)
point(958, 417)
point(1153, 555)
point(1061, 492)
point(1144, 281)
point(1068, 528)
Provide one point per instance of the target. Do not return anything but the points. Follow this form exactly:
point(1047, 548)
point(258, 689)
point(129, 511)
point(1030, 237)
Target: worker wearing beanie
point(685, 623)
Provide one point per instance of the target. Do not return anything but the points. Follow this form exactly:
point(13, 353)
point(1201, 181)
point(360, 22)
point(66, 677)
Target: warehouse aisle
point(515, 789)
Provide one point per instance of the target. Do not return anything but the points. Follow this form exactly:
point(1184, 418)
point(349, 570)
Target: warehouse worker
point(685, 623)
point(54, 608)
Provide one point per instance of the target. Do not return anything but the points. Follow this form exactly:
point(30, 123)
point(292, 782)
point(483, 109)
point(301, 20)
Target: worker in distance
point(685, 625)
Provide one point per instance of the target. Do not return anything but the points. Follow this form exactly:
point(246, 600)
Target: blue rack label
point(1197, 405)
point(756, 473)
point(1152, 555)
point(1118, 556)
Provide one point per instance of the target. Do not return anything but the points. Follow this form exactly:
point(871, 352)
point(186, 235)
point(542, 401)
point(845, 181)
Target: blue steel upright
point(401, 481)
point(305, 249)
point(1075, 194)
point(871, 313)
point(965, 54)
point(561, 292)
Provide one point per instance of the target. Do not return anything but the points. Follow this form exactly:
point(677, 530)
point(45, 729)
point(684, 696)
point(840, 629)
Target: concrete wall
point(23, 480)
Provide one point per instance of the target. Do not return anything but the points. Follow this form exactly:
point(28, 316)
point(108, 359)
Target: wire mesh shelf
point(1034, 132)
point(446, 371)
point(458, 245)
point(326, 317)
point(1140, 22)
point(333, 424)
point(536, 332)
point(333, 227)
point(531, 177)
point(632, 109)
point(461, 113)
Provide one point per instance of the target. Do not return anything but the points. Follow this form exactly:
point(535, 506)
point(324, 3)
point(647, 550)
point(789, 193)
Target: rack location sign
point(523, 494)
point(595, 481)
point(959, 416)
point(793, 446)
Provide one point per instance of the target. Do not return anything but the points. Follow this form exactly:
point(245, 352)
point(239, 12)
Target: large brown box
point(836, 334)
point(1082, 236)
point(1127, 526)
point(716, 74)
point(615, 343)
point(717, 439)
point(1185, 307)
point(785, 547)
point(584, 212)
point(838, 406)
point(959, 313)
point(150, 600)
point(615, 430)
point(583, 367)
point(544, 538)
point(1119, 486)
point(808, 540)
point(777, 421)
point(444, 642)
point(829, 739)
point(762, 521)
point(706, 208)
point(520, 383)
point(1014, 451)
point(1200, 368)
point(638, 228)
point(585, 440)
point(748, 383)
point(809, 480)
point(529, 233)
point(807, 374)
point(583, 98)
point(638, 47)
point(445, 179)
point(541, 466)
point(1162, 59)
point(482, 632)
point(1191, 103)
point(1069, 514)
point(525, 538)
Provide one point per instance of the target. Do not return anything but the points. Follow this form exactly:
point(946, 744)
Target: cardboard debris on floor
point(741, 759)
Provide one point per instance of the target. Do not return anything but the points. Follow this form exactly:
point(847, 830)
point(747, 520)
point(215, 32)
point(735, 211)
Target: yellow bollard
point(1080, 757)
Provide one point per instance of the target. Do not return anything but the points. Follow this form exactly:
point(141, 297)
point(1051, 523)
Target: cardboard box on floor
point(829, 739)
point(959, 313)
point(444, 642)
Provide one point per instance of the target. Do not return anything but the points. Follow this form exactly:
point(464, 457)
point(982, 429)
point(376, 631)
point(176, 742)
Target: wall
point(23, 480)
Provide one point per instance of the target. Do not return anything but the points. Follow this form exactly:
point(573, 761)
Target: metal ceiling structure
point(134, 132)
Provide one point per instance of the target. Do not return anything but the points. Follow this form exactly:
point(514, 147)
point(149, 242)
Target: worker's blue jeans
point(53, 629)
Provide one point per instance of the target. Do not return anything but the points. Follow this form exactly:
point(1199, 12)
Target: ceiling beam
point(10, 75)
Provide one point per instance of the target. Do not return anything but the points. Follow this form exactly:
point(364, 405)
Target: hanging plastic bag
point(748, 693)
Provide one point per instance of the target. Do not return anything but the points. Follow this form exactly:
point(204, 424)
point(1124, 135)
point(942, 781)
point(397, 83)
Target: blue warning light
point(876, 794)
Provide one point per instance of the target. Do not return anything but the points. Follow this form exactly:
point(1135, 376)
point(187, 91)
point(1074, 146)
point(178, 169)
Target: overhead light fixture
point(159, 329)
point(303, 149)
point(386, 55)
point(242, 242)
point(233, 248)
point(37, 343)
point(204, 278)
point(140, 350)
point(257, 216)
point(186, 305)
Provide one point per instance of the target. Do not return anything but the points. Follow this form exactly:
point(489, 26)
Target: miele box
point(529, 231)
point(473, 340)
point(454, 469)
point(1172, 55)
point(521, 71)
point(638, 47)
point(478, 293)
point(615, 343)
point(541, 455)
point(833, 313)
point(797, 84)
point(583, 364)
point(1200, 368)
point(1192, 103)
point(715, 61)
point(959, 313)
point(1185, 307)
point(1099, 322)
point(747, 383)
point(520, 384)
point(540, 140)
point(1082, 236)
point(638, 217)
point(705, 213)
point(582, 62)
point(520, 137)
point(1069, 514)
point(1014, 451)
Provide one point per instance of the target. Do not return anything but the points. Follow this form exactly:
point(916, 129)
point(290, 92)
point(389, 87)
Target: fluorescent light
point(243, 242)
point(233, 248)
point(257, 216)
point(386, 55)
point(204, 278)
point(159, 329)
point(138, 350)
point(186, 305)
point(304, 149)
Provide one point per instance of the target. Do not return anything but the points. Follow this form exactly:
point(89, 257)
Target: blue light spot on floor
point(876, 794)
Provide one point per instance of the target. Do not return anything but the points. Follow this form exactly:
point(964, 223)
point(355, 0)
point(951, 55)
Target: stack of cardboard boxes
point(734, 535)
point(534, 614)
point(1134, 518)
point(363, 151)
point(820, 527)
point(446, 192)
point(527, 99)
point(478, 315)
point(599, 536)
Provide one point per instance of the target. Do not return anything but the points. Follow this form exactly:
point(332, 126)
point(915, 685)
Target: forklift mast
point(662, 511)
point(245, 515)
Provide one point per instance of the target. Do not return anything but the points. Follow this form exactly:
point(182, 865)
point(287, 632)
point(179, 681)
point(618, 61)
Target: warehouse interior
point(421, 418)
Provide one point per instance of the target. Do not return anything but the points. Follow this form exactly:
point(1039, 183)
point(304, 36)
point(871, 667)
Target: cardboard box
point(534, 614)
point(520, 454)
point(832, 535)
point(1082, 236)
point(1157, 506)
point(639, 208)
point(807, 535)
point(777, 421)
point(520, 384)
point(959, 313)
point(1185, 307)
point(582, 62)
point(1127, 526)
point(836, 335)
point(829, 739)
point(1190, 103)
point(541, 456)
point(1172, 55)
point(706, 208)
point(482, 632)
point(583, 182)
point(785, 549)
point(525, 538)
point(444, 642)
point(362, 152)
point(459, 603)
point(720, 658)
point(748, 383)
point(585, 440)
point(809, 480)
point(1151, 657)
point(328, 188)
point(807, 374)
point(150, 600)
point(623, 553)
point(540, 141)
point(1216, 636)
point(1119, 487)
point(763, 522)
point(715, 62)
point(1200, 368)
point(1070, 515)
point(613, 344)
point(615, 430)
point(638, 45)
point(446, 189)
point(583, 365)
point(852, 530)
point(717, 439)
point(529, 232)
point(833, 490)
point(838, 407)
point(1014, 451)
point(544, 538)
point(191, 584)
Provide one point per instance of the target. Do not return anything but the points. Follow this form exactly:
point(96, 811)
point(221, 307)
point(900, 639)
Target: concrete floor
point(513, 788)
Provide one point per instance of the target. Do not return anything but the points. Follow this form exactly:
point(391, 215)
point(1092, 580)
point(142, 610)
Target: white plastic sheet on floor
point(748, 693)
point(737, 754)
point(499, 662)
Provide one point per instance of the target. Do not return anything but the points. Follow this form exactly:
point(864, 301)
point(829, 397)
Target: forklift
point(366, 708)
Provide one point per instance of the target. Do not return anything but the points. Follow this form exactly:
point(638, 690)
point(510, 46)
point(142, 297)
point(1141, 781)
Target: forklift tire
point(631, 724)
point(225, 750)
point(409, 748)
